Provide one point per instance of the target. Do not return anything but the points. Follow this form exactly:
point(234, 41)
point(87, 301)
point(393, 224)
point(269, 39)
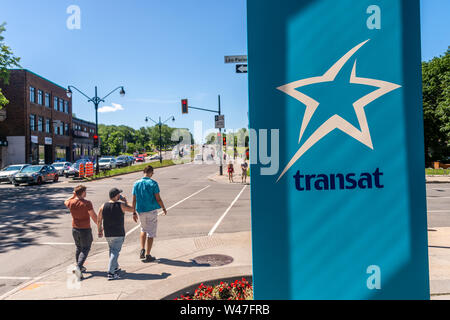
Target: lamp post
point(160, 132)
point(96, 101)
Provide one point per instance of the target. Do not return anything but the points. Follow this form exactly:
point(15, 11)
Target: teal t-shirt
point(145, 190)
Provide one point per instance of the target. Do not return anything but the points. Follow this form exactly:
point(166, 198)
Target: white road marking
point(436, 211)
point(226, 212)
point(173, 206)
point(16, 278)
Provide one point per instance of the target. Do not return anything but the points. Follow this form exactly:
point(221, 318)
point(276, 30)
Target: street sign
point(241, 68)
point(236, 59)
point(338, 150)
point(220, 121)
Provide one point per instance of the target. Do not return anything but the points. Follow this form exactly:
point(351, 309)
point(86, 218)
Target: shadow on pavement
point(178, 263)
point(27, 213)
point(128, 276)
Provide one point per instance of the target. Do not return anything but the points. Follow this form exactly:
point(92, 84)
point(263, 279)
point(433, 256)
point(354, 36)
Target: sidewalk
point(174, 270)
point(439, 259)
point(237, 178)
point(438, 179)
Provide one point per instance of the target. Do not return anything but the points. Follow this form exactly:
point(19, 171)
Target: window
point(40, 97)
point(61, 105)
point(32, 122)
point(32, 95)
point(40, 124)
point(66, 106)
point(47, 99)
point(55, 103)
point(66, 129)
point(47, 125)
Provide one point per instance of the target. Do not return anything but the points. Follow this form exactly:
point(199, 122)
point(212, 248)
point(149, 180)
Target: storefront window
point(41, 154)
point(61, 153)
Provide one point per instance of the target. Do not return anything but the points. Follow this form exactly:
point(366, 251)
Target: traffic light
point(224, 141)
point(184, 106)
point(95, 141)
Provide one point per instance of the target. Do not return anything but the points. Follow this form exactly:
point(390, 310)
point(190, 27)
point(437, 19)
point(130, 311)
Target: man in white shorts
point(147, 201)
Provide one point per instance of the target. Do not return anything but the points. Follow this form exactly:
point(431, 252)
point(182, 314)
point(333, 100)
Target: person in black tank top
point(111, 221)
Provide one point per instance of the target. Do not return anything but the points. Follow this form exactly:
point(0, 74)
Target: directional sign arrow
point(241, 68)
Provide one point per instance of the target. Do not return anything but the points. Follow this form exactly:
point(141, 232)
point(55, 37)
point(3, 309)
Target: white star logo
point(336, 122)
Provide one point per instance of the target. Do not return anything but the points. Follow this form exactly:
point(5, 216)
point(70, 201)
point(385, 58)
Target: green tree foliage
point(436, 107)
point(7, 61)
point(116, 140)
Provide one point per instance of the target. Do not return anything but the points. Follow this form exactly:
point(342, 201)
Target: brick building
point(38, 125)
point(83, 139)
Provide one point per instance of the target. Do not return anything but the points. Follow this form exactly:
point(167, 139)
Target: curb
point(116, 175)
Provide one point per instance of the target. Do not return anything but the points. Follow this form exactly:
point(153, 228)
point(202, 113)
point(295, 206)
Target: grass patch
point(131, 169)
point(436, 172)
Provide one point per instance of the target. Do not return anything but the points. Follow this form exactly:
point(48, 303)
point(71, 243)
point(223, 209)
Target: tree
point(7, 61)
point(436, 107)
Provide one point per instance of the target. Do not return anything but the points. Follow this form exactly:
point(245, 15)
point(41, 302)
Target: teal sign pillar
point(337, 150)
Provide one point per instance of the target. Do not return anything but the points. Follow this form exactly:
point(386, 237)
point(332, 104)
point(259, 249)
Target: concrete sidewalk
point(439, 257)
point(174, 270)
point(438, 179)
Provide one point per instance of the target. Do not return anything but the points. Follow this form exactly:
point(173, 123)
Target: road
point(35, 227)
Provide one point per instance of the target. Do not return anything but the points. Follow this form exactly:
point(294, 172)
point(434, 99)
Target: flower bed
point(237, 290)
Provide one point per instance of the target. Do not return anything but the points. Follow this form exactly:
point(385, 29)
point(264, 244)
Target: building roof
point(26, 70)
point(83, 121)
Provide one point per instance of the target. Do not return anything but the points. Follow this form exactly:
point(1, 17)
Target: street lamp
point(160, 132)
point(96, 101)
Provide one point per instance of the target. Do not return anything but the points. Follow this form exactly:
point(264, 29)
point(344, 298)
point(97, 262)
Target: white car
point(8, 173)
point(107, 163)
point(61, 167)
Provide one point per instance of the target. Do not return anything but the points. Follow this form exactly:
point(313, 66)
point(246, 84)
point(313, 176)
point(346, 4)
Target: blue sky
point(160, 51)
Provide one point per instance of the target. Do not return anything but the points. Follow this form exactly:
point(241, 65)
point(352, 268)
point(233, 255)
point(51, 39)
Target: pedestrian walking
point(244, 168)
point(147, 201)
point(111, 221)
point(230, 172)
point(82, 211)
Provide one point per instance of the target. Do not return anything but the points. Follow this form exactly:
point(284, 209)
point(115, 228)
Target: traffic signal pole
point(220, 129)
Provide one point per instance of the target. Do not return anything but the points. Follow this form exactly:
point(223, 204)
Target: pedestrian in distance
point(111, 221)
point(82, 211)
point(230, 172)
point(244, 168)
point(147, 201)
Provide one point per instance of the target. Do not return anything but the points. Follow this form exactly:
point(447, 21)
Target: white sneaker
point(78, 273)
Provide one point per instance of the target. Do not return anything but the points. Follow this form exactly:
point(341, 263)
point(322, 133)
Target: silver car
point(107, 163)
point(7, 174)
point(61, 167)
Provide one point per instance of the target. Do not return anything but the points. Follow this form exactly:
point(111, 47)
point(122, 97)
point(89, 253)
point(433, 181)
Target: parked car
point(7, 174)
point(107, 163)
point(123, 161)
point(131, 159)
point(155, 157)
point(37, 174)
point(74, 169)
point(140, 158)
point(61, 167)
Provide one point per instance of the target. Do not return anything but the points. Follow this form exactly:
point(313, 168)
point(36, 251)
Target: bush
point(237, 290)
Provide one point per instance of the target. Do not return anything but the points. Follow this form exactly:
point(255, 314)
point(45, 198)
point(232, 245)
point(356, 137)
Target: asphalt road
point(35, 227)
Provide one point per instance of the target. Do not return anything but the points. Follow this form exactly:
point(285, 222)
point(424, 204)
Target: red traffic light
point(184, 106)
point(95, 137)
